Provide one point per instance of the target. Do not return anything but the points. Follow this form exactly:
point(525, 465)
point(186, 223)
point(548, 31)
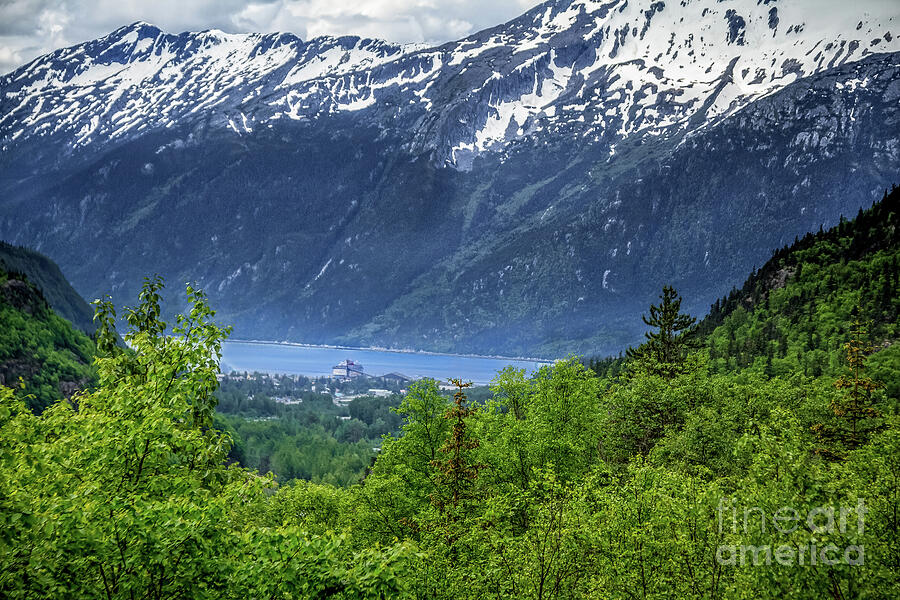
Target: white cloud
point(29, 28)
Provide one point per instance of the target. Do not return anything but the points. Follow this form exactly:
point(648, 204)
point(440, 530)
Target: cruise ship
point(347, 369)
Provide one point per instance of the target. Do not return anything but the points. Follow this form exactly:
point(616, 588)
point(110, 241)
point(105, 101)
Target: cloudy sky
point(29, 28)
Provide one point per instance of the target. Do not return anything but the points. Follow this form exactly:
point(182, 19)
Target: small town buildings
point(288, 400)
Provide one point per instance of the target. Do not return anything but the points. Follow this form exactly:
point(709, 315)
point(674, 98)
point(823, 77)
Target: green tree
point(855, 412)
point(402, 480)
point(668, 345)
point(125, 492)
point(456, 471)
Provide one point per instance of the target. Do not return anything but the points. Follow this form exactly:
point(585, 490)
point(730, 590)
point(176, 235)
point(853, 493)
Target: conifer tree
point(456, 473)
point(668, 344)
point(855, 412)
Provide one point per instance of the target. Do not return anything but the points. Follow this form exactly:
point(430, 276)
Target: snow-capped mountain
point(548, 128)
point(138, 78)
point(602, 70)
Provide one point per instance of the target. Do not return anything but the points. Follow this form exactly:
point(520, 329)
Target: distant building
point(347, 369)
point(288, 400)
point(398, 378)
point(379, 393)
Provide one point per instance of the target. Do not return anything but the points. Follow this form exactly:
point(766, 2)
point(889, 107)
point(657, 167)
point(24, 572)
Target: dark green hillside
point(794, 313)
point(52, 358)
point(46, 276)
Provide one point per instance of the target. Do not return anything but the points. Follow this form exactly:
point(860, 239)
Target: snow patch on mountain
point(596, 70)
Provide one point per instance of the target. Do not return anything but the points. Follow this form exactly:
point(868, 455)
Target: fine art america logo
point(822, 522)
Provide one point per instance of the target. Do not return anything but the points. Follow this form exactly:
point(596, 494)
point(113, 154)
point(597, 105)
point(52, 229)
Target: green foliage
point(295, 448)
point(689, 475)
point(422, 435)
point(638, 412)
point(125, 491)
point(794, 314)
point(281, 426)
point(563, 512)
point(454, 469)
point(377, 414)
point(672, 475)
point(45, 275)
point(854, 409)
point(402, 479)
point(51, 357)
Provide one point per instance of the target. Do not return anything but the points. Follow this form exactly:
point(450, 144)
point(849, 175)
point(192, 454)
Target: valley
point(523, 191)
point(599, 302)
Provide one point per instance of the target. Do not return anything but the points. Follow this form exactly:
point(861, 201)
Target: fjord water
point(314, 361)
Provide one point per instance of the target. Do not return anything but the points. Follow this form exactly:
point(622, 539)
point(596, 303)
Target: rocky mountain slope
point(527, 189)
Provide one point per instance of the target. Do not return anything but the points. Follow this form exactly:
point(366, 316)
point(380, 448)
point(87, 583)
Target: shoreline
point(393, 350)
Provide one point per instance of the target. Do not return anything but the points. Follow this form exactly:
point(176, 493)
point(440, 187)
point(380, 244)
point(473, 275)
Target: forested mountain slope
point(52, 358)
point(562, 485)
point(796, 312)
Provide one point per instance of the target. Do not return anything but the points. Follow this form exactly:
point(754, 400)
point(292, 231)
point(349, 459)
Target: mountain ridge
point(39, 350)
point(299, 80)
point(796, 312)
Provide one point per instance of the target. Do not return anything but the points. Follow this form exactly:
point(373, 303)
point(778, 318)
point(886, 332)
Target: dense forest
point(292, 427)
point(755, 455)
point(39, 350)
point(794, 314)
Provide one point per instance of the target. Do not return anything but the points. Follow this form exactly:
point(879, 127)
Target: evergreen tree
point(456, 473)
point(668, 345)
point(855, 412)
